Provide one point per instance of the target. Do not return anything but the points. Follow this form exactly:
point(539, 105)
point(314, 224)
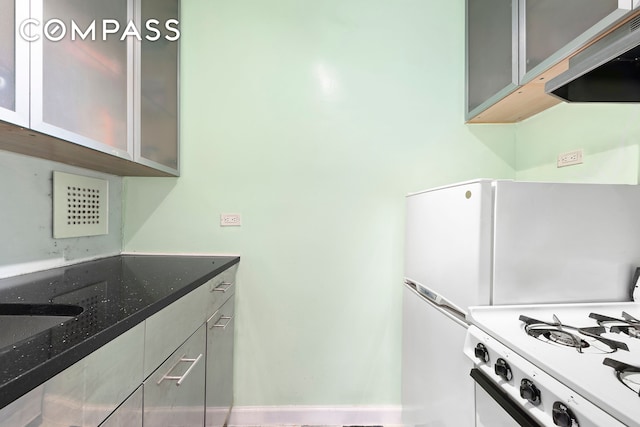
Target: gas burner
point(628, 375)
point(564, 338)
point(627, 325)
point(584, 340)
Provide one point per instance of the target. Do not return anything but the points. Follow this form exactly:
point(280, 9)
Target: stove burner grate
point(628, 375)
point(628, 325)
point(568, 336)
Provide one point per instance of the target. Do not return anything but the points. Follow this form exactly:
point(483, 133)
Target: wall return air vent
point(80, 205)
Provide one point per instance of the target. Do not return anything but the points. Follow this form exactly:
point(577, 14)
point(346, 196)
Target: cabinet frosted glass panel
point(552, 24)
point(14, 64)
point(84, 82)
point(159, 87)
point(7, 55)
point(491, 49)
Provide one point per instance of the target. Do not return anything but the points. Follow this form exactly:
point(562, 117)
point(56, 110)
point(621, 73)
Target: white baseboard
point(315, 415)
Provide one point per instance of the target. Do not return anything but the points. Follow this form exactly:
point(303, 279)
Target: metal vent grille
point(634, 24)
point(80, 205)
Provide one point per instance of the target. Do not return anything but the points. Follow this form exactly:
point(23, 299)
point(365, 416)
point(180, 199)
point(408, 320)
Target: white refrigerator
point(489, 242)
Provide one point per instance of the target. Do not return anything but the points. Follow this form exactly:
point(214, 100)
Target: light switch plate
point(80, 205)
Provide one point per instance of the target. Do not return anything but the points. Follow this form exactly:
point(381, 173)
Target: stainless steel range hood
point(607, 71)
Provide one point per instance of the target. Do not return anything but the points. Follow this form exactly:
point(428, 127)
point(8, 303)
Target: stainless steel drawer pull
point(218, 325)
point(222, 287)
point(180, 378)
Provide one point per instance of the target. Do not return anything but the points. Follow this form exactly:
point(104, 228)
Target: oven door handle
point(522, 417)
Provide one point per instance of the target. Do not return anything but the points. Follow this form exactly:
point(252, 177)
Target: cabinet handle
point(181, 378)
point(220, 288)
point(218, 325)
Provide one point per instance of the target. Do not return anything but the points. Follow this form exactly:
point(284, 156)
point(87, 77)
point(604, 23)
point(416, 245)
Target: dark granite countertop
point(116, 294)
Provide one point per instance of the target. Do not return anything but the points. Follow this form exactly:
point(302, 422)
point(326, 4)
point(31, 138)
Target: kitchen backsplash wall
point(314, 119)
point(26, 217)
point(609, 134)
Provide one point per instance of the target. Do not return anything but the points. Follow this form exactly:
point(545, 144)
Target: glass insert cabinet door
point(492, 56)
point(158, 130)
point(82, 84)
point(552, 29)
point(14, 64)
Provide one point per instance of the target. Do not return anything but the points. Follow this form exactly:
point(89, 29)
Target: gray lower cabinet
point(159, 373)
point(129, 414)
point(85, 393)
point(219, 392)
point(174, 393)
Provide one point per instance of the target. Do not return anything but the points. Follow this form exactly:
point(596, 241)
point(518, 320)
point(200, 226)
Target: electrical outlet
point(570, 158)
point(227, 220)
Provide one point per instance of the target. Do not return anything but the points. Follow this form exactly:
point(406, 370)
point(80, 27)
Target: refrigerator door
point(436, 387)
point(564, 242)
point(448, 242)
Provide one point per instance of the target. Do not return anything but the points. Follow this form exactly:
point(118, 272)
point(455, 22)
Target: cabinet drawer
point(111, 374)
point(219, 289)
point(167, 329)
point(174, 393)
point(219, 392)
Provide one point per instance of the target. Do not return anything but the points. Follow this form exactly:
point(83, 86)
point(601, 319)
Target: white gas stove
point(559, 364)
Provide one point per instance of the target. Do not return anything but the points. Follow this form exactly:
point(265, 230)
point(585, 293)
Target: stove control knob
point(503, 370)
point(562, 416)
point(482, 353)
point(529, 391)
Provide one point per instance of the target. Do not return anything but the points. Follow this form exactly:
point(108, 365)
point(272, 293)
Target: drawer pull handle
point(222, 287)
point(218, 325)
point(188, 371)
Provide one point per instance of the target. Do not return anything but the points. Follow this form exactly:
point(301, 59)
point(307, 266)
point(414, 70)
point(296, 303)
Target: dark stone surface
point(115, 293)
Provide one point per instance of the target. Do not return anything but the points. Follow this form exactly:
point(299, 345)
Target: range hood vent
point(607, 71)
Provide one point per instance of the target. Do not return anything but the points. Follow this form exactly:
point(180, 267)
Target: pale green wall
point(313, 119)
point(609, 134)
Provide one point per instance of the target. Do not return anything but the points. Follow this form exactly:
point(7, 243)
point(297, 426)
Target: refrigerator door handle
point(457, 313)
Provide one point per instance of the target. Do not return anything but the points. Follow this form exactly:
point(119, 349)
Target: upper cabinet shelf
point(92, 84)
point(514, 46)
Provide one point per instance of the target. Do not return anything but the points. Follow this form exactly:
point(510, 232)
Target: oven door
point(494, 408)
